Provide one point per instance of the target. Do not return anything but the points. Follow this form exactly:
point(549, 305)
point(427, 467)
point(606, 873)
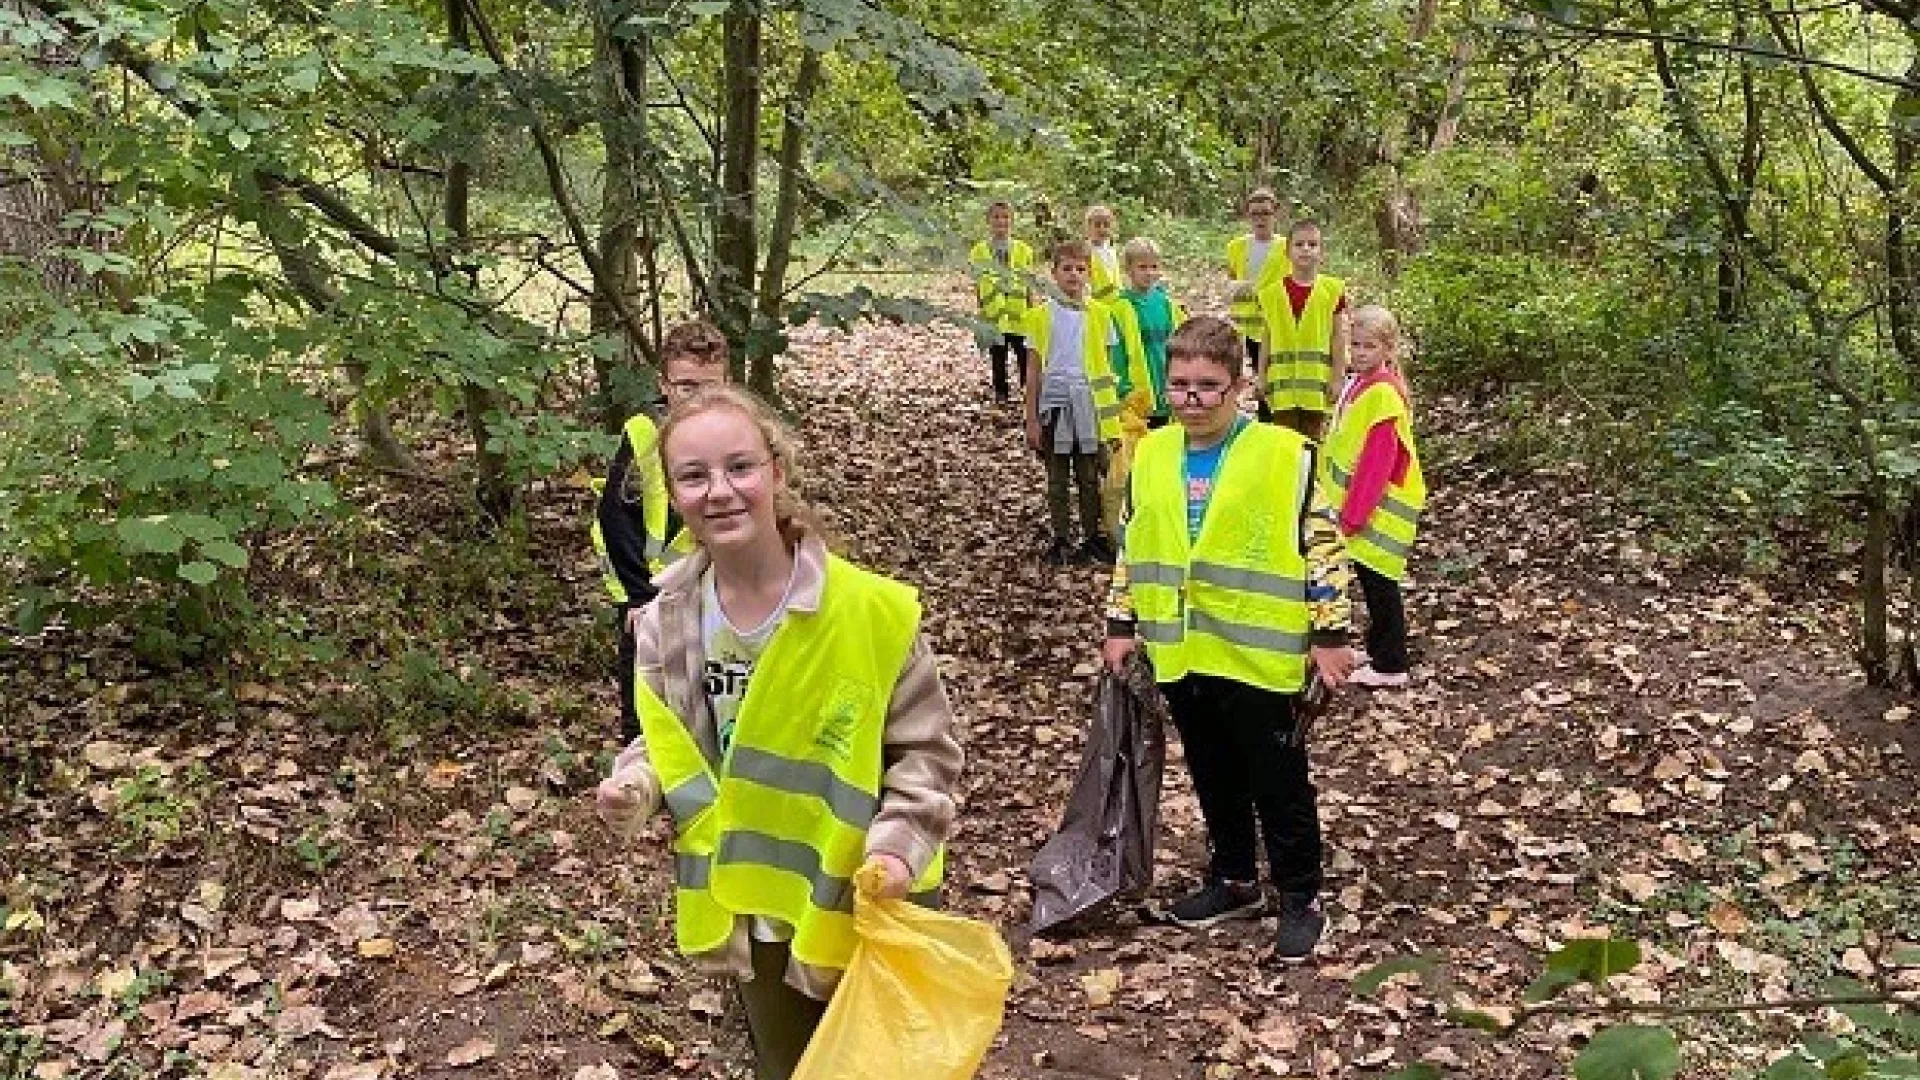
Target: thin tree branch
point(1620, 33)
point(1824, 111)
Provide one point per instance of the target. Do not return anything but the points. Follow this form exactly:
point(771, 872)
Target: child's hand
point(625, 802)
point(896, 879)
point(1333, 664)
point(1115, 651)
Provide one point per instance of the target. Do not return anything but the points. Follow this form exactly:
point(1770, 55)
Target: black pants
point(623, 673)
point(780, 1019)
point(1244, 771)
point(1386, 621)
point(1008, 344)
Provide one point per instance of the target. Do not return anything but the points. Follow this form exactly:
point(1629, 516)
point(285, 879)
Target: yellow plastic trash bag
point(921, 1000)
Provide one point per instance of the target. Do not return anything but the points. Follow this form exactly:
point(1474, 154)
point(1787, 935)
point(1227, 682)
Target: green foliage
point(1590, 960)
point(1629, 1052)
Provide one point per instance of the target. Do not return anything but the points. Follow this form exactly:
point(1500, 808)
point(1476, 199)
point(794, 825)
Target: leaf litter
point(1596, 738)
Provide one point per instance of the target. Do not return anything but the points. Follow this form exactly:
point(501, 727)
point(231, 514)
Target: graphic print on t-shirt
point(730, 658)
point(729, 667)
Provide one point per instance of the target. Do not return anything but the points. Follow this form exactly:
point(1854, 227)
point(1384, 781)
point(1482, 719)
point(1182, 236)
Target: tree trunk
point(1903, 286)
point(1730, 276)
point(623, 130)
point(493, 489)
point(786, 215)
point(1874, 659)
point(735, 244)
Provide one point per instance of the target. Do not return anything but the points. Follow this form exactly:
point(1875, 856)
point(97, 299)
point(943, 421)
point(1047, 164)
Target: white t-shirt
point(731, 655)
point(1257, 251)
point(1108, 258)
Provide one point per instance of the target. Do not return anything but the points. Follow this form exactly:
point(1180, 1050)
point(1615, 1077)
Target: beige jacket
point(921, 756)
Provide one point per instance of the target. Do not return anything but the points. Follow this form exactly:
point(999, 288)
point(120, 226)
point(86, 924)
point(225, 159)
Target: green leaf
point(225, 552)
point(1419, 1070)
point(1474, 1018)
point(1594, 959)
point(240, 137)
point(1629, 1052)
point(1853, 1066)
point(1369, 982)
point(1793, 1067)
point(1548, 986)
point(1897, 1067)
point(150, 535)
point(200, 573)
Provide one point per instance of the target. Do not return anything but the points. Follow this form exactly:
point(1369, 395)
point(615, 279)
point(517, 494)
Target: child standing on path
point(1147, 319)
point(1373, 475)
point(1231, 572)
point(1073, 404)
point(793, 723)
point(1002, 267)
point(1105, 266)
point(635, 531)
point(1304, 341)
point(1255, 260)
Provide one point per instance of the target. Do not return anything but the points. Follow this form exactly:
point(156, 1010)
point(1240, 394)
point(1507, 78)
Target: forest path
point(387, 866)
point(1587, 743)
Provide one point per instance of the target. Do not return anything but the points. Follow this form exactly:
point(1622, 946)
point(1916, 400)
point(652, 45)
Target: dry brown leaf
point(472, 1052)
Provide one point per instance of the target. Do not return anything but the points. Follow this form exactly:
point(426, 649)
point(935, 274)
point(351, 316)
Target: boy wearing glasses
point(1232, 573)
point(1255, 260)
point(634, 530)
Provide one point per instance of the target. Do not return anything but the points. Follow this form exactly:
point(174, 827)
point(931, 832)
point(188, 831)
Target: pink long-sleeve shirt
point(1383, 458)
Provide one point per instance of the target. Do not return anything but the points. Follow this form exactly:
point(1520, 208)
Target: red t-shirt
point(1297, 298)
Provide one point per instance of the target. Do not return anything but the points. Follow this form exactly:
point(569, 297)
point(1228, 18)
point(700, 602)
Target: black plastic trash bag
point(1104, 846)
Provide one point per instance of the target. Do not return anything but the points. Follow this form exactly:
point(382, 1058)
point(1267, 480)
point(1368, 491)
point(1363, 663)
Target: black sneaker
point(1218, 902)
point(1301, 927)
point(1098, 549)
point(1058, 554)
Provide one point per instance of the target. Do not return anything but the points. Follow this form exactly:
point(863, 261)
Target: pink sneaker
point(1367, 678)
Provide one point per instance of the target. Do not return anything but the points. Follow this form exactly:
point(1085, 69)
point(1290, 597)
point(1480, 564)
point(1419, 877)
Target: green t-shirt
point(1154, 309)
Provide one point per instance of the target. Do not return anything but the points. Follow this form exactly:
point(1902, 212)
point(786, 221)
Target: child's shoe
point(1367, 678)
point(1301, 927)
point(1058, 553)
point(1097, 549)
point(1218, 902)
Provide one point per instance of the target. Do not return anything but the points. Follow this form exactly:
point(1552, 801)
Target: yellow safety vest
point(1002, 289)
point(1233, 601)
point(660, 552)
point(1382, 545)
point(1246, 313)
point(1138, 374)
point(779, 826)
point(1093, 355)
point(1103, 284)
point(1300, 351)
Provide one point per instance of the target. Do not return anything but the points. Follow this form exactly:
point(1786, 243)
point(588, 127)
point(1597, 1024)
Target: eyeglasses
point(685, 387)
point(1202, 394)
point(741, 476)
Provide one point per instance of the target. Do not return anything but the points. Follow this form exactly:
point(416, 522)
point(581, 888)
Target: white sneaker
point(1369, 679)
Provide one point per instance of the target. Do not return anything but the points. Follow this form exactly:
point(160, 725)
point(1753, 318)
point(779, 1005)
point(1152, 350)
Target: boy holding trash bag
point(792, 721)
point(1232, 573)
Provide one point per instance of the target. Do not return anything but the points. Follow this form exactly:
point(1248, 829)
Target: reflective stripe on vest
point(1002, 290)
point(1300, 351)
point(1093, 356)
point(1384, 542)
point(779, 829)
point(1246, 313)
point(1233, 601)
